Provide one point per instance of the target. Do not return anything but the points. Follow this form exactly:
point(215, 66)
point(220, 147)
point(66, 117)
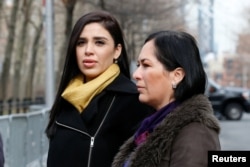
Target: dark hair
point(71, 68)
point(179, 49)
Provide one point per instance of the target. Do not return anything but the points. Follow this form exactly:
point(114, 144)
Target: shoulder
point(123, 84)
point(197, 133)
point(191, 145)
point(196, 109)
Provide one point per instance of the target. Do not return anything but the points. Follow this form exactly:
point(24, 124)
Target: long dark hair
point(179, 49)
point(70, 67)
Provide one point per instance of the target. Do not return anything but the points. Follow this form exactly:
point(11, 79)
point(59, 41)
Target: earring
point(174, 85)
point(115, 61)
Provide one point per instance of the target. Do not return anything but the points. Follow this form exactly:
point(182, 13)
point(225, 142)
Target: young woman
point(170, 78)
point(96, 108)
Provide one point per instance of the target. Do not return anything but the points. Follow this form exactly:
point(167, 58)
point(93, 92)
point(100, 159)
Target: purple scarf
point(149, 123)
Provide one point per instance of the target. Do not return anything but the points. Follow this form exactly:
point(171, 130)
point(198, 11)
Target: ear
point(178, 75)
point(118, 50)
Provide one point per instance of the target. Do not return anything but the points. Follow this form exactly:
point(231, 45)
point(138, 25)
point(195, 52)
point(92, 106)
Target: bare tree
point(1, 18)
point(69, 6)
point(1, 5)
point(9, 50)
point(31, 70)
point(20, 54)
point(102, 4)
point(140, 17)
point(137, 18)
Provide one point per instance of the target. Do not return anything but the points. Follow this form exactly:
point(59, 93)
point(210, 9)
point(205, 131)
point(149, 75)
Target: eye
point(138, 64)
point(142, 65)
point(80, 42)
point(100, 42)
point(145, 65)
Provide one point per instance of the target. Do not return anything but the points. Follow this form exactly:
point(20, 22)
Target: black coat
point(91, 139)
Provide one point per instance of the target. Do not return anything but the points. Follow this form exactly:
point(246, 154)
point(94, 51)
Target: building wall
point(230, 70)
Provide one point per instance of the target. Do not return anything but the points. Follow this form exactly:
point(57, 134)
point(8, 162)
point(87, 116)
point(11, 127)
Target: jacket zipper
point(92, 138)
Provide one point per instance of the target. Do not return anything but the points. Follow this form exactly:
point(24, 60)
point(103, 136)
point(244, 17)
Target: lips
point(88, 63)
point(139, 87)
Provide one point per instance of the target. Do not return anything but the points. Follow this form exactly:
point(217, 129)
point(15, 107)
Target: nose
point(136, 74)
point(88, 49)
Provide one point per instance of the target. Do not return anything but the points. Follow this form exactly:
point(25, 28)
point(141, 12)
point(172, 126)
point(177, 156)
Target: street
point(235, 135)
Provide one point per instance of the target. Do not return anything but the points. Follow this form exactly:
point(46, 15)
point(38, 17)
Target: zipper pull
point(92, 141)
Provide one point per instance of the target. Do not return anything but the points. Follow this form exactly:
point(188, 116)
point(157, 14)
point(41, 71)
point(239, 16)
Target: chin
point(143, 99)
point(91, 74)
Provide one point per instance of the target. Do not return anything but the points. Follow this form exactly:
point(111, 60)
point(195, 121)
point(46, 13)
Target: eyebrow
point(142, 60)
point(96, 38)
point(103, 38)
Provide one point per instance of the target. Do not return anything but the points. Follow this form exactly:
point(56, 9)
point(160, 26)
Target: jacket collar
point(122, 84)
point(71, 117)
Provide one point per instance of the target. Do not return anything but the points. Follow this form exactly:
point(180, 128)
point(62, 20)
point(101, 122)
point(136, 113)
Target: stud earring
point(174, 86)
point(115, 61)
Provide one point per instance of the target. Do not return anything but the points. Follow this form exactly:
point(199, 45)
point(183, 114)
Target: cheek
point(106, 57)
point(152, 83)
point(78, 54)
point(157, 86)
point(153, 79)
point(104, 63)
point(107, 60)
point(79, 62)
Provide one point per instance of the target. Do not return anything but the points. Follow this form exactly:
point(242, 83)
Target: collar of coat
point(122, 84)
point(196, 109)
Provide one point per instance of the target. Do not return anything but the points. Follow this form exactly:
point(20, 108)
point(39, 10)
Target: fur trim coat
point(183, 138)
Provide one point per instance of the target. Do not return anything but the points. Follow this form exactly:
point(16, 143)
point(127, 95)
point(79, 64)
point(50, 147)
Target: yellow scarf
point(79, 94)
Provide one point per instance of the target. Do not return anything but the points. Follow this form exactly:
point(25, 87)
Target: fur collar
point(195, 109)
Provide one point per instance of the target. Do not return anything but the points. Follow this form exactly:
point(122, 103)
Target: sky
point(229, 20)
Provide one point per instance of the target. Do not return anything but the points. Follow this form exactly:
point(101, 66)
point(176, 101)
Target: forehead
point(95, 29)
point(148, 51)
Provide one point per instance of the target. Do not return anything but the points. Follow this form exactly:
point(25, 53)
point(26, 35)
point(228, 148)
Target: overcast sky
point(229, 20)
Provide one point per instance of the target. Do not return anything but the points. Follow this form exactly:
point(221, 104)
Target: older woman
point(170, 78)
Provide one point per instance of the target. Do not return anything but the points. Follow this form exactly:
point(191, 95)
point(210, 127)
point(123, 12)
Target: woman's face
point(95, 50)
point(153, 81)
